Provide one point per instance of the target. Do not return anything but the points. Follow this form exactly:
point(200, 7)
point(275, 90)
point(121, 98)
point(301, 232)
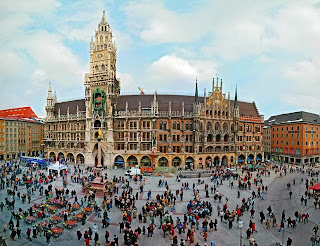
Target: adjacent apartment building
point(294, 138)
point(21, 133)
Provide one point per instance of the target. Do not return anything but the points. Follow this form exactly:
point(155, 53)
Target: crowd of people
point(201, 215)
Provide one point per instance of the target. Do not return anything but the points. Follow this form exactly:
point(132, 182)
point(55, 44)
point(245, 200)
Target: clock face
point(100, 55)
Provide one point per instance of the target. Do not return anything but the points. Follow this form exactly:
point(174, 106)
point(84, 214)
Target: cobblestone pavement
point(277, 196)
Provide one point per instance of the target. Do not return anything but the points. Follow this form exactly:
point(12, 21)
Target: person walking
point(13, 234)
point(29, 234)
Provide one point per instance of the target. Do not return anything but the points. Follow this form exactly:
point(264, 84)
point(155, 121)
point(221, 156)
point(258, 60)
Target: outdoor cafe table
point(51, 201)
point(70, 223)
point(57, 231)
point(30, 219)
point(44, 224)
point(79, 216)
point(75, 206)
point(66, 211)
point(61, 204)
point(51, 209)
point(87, 210)
point(56, 218)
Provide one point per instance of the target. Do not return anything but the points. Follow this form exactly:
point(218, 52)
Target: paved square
point(277, 196)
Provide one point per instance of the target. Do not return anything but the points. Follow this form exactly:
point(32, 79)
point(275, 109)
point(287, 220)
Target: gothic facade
point(149, 130)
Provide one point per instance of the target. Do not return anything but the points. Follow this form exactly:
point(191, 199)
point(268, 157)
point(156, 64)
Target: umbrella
point(315, 187)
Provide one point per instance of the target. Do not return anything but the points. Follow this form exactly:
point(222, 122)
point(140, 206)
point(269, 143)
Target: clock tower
point(102, 89)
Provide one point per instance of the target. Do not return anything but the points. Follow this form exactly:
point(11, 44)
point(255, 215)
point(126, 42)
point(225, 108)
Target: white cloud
point(52, 56)
point(172, 72)
point(127, 82)
point(305, 84)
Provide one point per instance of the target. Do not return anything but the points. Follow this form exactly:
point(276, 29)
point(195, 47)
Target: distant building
point(294, 137)
point(266, 141)
point(21, 132)
point(25, 112)
point(149, 130)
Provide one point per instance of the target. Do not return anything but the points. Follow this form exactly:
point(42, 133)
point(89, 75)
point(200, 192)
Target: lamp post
point(240, 226)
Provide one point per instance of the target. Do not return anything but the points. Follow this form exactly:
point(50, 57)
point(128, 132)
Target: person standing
point(34, 232)
point(18, 232)
point(106, 236)
point(48, 237)
point(79, 234)
point(289, 241)
point(96, 238)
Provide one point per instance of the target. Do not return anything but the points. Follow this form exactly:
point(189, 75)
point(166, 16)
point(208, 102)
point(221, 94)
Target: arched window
point(200, 126)
point(217, 126)
point(209, 126)
point(240, 128)
point(225, 127)
point(174, 125)
point(101, 39)
point(103, 68)
point(97, 68)
point(178, 125)
point(161, 125)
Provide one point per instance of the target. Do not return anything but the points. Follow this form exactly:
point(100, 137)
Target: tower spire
point(103, 19)
point(212, 85)
point(217, 86)
point(236, 98)
point(50, 96)
point(196, 96)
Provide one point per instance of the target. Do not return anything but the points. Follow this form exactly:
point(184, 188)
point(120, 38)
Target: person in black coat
point(96, 238)
point(13, 234)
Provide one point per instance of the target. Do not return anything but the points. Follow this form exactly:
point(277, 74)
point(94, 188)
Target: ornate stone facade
point(149, 130)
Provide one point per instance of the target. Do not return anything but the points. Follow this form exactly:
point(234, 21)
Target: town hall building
point(183, 131)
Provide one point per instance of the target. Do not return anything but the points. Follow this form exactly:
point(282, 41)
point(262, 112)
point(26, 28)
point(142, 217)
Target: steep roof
point(245, 108)
point(295, 117)
point(72, 105)
point(163, 102)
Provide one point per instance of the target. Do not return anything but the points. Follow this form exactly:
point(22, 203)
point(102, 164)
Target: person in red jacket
point(87, 242)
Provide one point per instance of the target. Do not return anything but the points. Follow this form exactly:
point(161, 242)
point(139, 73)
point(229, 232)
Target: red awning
point(315, 187)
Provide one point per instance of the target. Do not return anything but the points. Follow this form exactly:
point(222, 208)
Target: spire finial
point(221, 85)
point(196, 96)
point(236, 97)
point(217, 82)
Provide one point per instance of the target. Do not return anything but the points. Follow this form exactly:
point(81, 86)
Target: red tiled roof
point(24, 112)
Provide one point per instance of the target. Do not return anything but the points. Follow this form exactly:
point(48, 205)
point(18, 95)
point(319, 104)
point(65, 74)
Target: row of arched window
point(217, 113)
point(217, 126)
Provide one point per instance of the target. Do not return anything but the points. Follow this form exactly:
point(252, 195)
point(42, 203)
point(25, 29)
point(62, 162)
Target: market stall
point(57, 168)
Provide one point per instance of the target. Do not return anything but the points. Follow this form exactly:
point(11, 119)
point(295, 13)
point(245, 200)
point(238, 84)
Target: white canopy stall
point(57, 167)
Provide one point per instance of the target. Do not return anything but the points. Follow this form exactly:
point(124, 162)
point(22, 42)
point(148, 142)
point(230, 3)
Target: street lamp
point(240, 226)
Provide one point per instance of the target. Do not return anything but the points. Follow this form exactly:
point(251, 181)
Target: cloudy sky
point(269, 49)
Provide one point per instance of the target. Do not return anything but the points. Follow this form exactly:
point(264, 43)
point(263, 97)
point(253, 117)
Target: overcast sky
point(269, 49)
